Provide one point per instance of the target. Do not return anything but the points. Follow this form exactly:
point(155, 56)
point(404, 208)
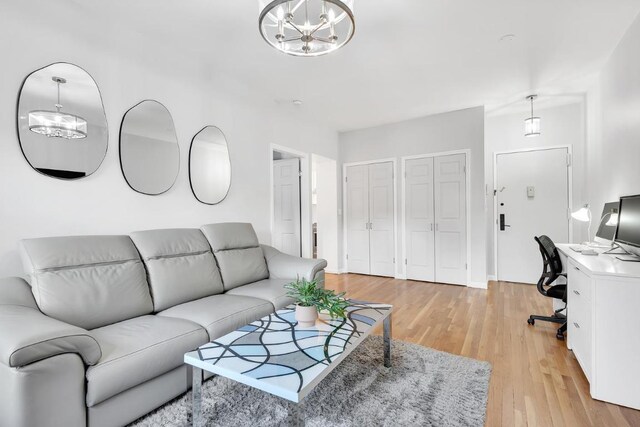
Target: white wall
point(561, 125)
point(613, 111)
point(456, 130)
point(127, 71)
point(327, 210)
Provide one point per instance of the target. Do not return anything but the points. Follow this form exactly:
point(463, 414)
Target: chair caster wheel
point(531, 321)
point(560, 337)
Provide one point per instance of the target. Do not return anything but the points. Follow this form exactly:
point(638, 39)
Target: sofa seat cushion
point(221, 314)
point(271, 290)
point(137, 350)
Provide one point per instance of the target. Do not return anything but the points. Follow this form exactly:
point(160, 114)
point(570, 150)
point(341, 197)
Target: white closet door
point(419, 219)
point(286, 227)
point(450, 219)
point(358, 219)
point(381, 219)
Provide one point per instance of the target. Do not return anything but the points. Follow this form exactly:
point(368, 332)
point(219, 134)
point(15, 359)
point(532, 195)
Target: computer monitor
point(628, 230)
point(606, 233)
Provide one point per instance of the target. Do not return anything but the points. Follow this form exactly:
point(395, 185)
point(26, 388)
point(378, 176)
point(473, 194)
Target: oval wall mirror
point(209, 166)
point(149, 151)
point(62, 126)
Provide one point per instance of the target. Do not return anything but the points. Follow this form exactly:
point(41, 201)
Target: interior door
point(450, 219)
point(287, 215)
point(381, 219)
point(358, 219)
point(419, 219)
point(533, 198)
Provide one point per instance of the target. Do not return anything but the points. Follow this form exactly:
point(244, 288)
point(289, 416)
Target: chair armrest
point(283, 266)
point(28, 336)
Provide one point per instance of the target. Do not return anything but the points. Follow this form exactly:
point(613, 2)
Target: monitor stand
point(625, 256)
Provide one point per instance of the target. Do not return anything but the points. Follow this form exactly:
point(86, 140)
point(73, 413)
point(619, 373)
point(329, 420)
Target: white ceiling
point(408, 58)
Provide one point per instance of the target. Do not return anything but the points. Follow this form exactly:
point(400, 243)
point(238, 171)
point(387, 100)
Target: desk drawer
point(579, 281)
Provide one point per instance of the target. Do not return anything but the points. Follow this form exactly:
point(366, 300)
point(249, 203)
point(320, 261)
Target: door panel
point(419, 219)
point(381, 215)
point(358, 219)
point(541, 210)
point(286, 234)
point(450, 218)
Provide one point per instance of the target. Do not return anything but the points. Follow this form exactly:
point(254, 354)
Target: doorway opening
point(290, 175)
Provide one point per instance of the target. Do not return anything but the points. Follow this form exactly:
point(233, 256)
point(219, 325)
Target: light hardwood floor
point(535, 381)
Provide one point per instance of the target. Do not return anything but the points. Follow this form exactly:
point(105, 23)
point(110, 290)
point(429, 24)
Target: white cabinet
point(579, 329)
point(603, 314)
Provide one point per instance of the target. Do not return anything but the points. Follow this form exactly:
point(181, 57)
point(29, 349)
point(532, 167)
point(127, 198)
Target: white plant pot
point(306, 316)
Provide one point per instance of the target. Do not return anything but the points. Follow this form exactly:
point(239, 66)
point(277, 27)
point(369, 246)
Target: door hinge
point(405, 262)
point(465, 266)
point(300, 173)
point(568, 159)
point(347, 256)
point(394, 260)
point(346, 179)
point(464, 169)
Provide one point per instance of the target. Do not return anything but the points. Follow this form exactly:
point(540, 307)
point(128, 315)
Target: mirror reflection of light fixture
point(613, 218)
point(532, 124)
point(56, 124)
point(306, 27)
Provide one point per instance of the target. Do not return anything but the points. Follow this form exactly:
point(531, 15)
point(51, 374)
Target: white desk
point(603, 314)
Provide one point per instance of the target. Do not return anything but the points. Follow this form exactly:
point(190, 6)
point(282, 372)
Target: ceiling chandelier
point(56, 124)
point(532, 124)
point(307, 27)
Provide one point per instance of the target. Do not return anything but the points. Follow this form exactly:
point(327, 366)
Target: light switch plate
point(531, 192)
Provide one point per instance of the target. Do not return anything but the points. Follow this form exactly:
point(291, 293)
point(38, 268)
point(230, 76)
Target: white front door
point(358, 219)
point(381, 219)
point(450, 219)
point(419, 222)
point(532, 197)
point(287, 216)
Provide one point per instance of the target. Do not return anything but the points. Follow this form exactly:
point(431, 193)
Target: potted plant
point(310, 299)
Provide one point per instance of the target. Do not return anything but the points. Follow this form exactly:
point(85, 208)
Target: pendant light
point(532, 124)
point(56, 124)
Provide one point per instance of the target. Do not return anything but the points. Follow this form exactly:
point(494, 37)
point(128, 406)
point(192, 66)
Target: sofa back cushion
point(180, 266)
point(239, 256)
point(87, 281)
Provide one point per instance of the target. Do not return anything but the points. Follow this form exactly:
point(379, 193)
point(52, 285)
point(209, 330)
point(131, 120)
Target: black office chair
point(551, 271)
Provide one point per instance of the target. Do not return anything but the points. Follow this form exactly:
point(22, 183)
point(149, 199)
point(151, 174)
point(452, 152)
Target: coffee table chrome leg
point(387, 340)
point(196, 392)
point(295, 416)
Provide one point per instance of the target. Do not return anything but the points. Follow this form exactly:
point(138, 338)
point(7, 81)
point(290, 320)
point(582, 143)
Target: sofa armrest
point(28, 336)
point(283, 266)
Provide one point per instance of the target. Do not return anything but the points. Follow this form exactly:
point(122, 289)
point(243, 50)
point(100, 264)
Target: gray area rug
point(424, 387)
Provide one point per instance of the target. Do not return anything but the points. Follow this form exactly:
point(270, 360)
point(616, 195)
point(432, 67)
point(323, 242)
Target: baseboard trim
point(492, 278)
point(401, 277)
point(478, 285)
point(326, 270)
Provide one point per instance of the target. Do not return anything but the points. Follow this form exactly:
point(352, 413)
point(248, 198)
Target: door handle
point(576, 292)
point(502, 224)
point(576, 325)
point(437, 226)
point(431, 227)
point(370, 226)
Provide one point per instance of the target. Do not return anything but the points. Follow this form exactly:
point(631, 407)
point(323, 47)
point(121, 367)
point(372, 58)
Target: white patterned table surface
point(274, 355)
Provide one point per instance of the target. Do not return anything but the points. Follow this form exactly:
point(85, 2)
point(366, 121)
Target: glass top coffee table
point(274, 355)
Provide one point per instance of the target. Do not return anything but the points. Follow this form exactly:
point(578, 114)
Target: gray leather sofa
point(97, 334)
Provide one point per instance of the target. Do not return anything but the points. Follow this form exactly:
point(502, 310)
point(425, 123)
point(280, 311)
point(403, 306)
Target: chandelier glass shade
point(56, 124)
point(307, 27)
point(532, 124)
